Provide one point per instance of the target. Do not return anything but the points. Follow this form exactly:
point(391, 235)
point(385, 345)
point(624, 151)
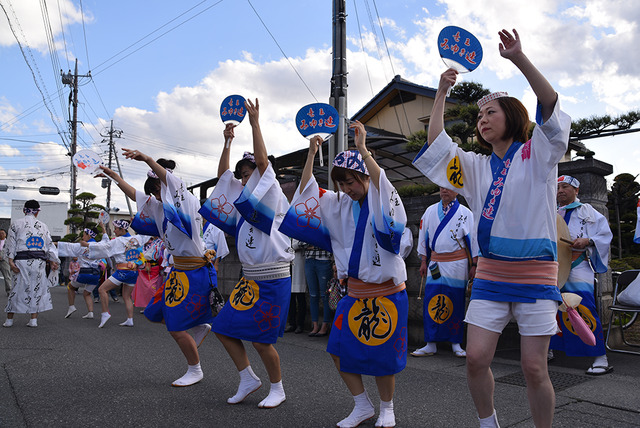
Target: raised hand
point(360, 133)
point(253, 110)
point(509, 45)
point(134, 154)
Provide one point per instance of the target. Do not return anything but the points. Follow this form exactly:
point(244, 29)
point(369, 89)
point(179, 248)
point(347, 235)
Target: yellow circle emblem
point(244, 295)
point(440, 308)
point(454, 173)
point(586, 315)
point(176, 288)
point(373, 321)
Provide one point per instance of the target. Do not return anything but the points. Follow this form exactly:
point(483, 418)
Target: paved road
point(69, 373)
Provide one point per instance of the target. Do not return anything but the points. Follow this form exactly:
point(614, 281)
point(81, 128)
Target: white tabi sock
point(362, 411)
point(249, 383)
point(127, 323)
point(104, 318)
point(71, 310)
point(387, 418)
point(193, 375)
point(89, 316)
point(490, 422)
point(275, 398)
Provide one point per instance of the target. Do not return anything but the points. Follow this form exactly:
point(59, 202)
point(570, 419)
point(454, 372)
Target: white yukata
point(523, 227)
point(370, 333)
point(584, 222)
point(447, 242)
point(89, 274)
point(183, 302)
point(214, 239)
point(258, 305)
point(29, 245)
point(123, 249)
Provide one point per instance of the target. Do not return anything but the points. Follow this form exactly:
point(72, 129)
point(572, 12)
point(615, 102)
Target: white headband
point(491, 97)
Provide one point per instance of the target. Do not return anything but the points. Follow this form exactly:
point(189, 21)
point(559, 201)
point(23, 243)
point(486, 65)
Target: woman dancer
point(125, 250)
point(512, 195)
point(150, 277)
point(88, 275)
point(250, 205)
point(364, 232)
point(183, 302)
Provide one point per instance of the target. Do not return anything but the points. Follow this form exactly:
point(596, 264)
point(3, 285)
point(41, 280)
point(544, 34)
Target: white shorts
point(534, 319)
point(86, 287)
point(118, 282)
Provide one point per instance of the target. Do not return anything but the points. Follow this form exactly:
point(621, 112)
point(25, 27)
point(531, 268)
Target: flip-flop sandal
point(606, 369)
point(460, 354)
point(421, 354)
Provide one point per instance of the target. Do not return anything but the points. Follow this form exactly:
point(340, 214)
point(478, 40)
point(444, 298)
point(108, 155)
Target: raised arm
point(128, 190)
point(511, 49)
point(369, 161)
point(259, 149)
point(436, 120)
point(229, 135)
point(307, 172)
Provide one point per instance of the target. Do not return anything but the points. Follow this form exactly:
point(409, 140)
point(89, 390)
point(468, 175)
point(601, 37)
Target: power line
point(156, 38)
point(282, 51)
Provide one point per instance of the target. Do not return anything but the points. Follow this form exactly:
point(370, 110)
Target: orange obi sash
point(518, 272)
point(359, 289)
point(453, 256)
point(575, 255)
point(126, 266)
point(193, 263)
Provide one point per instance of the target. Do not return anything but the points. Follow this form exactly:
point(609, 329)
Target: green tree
point(82, 214)
point(622, 201)
point(461, 118)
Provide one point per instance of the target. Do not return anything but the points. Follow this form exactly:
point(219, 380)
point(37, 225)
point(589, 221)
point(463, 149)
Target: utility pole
point(338, 97)
point(113, 133)
point(72, 81)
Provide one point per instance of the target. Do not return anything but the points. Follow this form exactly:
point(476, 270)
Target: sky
point(160, 70)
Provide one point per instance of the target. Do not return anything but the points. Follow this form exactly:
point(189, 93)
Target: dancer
point(125, 250)
point(449, 252)
point(168, 210)
point(512, 195)
point(364, 231)
point(591, 239)
point(150, 278)
point(29, 246)
point(88, 276)
point(215, 240)
point(249, 204)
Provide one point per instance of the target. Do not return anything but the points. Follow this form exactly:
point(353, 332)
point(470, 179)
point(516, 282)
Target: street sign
point(49, 190)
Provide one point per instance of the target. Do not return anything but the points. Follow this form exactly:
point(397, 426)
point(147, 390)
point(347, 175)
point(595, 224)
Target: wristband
point(368, 155)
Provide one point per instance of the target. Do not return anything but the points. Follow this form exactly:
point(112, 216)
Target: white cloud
point(7, 150)
point(26, 19)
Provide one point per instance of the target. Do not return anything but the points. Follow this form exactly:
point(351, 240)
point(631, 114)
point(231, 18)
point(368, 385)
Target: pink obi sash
point(453, 256)
point(359, 289)
point(518, 272)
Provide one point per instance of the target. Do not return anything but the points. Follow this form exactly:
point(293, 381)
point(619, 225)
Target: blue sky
point(165, 96)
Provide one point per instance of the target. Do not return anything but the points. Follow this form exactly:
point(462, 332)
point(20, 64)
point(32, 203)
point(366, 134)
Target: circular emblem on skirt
point(440, 308)
point(373, 321)
point(244, 295)
point(586, 315)
point(176, 288)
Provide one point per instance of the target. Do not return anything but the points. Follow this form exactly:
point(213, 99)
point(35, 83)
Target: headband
point(122, 224)
point(351, 159)
point(152, 174)
point(569, 180)
point(491, 97)
point(90, 232)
